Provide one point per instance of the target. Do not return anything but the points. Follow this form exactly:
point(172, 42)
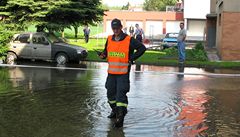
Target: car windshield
point(171, 35)
point(53, 38)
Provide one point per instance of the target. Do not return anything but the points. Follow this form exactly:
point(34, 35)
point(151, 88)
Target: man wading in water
point(119, 51)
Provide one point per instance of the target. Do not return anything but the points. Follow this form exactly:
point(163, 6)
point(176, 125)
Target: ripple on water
point(158, 117)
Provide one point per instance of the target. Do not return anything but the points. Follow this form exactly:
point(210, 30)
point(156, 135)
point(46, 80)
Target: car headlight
point(79, 51)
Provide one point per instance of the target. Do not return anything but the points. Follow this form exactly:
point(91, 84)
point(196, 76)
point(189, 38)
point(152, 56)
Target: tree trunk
point(63, 33)
point(76, 32)
point(40, 28)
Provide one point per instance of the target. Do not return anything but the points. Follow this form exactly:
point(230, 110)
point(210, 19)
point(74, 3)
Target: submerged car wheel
point(61, 58)
point(11, 58)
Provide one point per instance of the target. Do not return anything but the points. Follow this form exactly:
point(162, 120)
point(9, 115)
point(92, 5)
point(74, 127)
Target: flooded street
point(56, 102)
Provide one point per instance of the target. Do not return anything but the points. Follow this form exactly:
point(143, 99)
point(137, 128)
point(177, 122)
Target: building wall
point(172, 26)
point(195, 27)
point(227, 40)
point(153, 23)
point(195, 12)
point(196, 9)
point(230, 48)
point(154, 28)
point(227, 13)
point(232, 5)
point(219, 34)
point(213, 6)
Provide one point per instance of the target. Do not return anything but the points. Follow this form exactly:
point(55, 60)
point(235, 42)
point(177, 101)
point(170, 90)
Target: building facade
point(223, 29)
point(154, 24)
point(195, 12)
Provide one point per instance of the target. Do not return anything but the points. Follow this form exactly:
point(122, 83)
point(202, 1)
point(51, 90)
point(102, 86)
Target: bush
point(5, 37)
point(171, 52)
point(198, 53)
point(199, 46)
point(195, 54)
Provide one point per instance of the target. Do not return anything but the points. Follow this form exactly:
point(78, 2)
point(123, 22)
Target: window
point(39, 40)
point(22, 38)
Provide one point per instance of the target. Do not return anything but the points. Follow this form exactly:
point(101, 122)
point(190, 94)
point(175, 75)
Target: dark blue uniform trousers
point(117, 87)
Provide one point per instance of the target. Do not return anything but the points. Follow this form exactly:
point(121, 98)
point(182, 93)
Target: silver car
point(43, 46)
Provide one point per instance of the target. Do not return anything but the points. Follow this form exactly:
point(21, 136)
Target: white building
point(195, 12)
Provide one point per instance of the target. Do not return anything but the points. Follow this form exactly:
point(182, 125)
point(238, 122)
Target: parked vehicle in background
point(170, 40)
point(43, 46)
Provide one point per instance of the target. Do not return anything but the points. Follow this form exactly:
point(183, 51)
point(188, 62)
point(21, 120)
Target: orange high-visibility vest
point(118, 55)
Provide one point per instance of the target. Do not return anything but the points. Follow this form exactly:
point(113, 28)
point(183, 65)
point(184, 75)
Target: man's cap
point(116, 23)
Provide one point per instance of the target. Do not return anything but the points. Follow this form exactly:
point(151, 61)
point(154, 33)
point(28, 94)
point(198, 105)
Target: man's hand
point(102, 55)
point(131, 63)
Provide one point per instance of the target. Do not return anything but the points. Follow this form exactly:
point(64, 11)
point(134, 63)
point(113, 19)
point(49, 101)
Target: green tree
point(158, 5)
point(5, 36)
point(126, 7)
point(15, 12)
point(52, 14)
point(73, 13)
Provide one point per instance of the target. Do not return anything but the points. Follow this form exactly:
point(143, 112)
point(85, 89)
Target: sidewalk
point(212, 54)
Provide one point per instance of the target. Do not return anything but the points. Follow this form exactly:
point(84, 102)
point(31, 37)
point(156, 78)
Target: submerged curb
point(156, 72)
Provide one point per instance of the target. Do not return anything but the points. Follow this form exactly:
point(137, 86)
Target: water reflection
point(181, 71)
point(41, 78)
point(116, 133)
point(192, 111)
point(63, 103)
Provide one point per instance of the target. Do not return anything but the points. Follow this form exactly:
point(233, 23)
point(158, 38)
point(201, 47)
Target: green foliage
point(158, 5)
point(156, 57)
point(53, 15)
point(198, 53)
point(3, 50)
point(73, 13)
point(5, 36)
point(126, 7)
point(17, 12)
point(195, 54)
point(92, 44)
point(171, 52)
point(199, 46)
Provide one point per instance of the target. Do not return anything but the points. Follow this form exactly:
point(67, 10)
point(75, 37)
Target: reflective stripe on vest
point(118, 64)
point(118, 55)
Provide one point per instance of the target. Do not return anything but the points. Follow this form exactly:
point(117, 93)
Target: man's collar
point(121, 35)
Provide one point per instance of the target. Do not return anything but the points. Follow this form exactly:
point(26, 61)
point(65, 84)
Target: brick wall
point(230, 43)
point(142, 16)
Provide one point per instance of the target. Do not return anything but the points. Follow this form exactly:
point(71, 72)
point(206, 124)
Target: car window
point(171, 35)
point(37, 39)
point(53, 38)
point(22, 38)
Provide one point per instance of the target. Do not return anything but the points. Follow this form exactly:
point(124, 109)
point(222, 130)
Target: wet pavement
point(41, 100)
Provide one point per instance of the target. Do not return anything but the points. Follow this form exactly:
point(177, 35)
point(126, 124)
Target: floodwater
point(57, 102)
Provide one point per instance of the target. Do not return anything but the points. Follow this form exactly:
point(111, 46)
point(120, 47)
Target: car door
point(41, 47)
point(21, 46)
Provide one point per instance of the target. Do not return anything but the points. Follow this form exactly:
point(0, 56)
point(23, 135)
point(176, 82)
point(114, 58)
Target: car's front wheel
point(61, 58)
point(11, 58)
